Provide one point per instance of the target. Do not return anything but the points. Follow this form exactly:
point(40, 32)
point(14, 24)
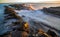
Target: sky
point(34, 1)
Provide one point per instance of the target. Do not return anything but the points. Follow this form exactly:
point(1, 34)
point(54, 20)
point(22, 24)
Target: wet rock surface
point(20, 28)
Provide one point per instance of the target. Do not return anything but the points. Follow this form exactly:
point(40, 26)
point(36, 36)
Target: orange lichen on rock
point(26, 25)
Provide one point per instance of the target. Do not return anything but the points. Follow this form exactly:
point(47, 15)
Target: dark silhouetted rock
point(52, 33)
point(11, 13)
point(8, 10)
point(19, 34)
point(24, 34)
point(22, 7)
point(52, 10)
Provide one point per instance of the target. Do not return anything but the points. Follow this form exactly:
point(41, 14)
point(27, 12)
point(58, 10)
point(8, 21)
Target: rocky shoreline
point(55, 11)
point(19, 28)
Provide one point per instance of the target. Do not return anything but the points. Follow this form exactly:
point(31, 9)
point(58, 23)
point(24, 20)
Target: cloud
point(25, 1)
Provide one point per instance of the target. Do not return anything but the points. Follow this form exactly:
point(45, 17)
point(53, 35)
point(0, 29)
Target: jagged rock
point(41, 33)
point(18, 25)
point(8, 10)
point(17, 6)
point(25, 34)
point(19, 34)
point(51, 33)
point(11, 13)
point(8, 17)
point(52, 10)
point(25, 27)
point(16, 33)
point(9, 35)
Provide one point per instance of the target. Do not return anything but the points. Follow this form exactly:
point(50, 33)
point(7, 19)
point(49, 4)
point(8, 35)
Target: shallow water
point(2, 18)
point(2, 12)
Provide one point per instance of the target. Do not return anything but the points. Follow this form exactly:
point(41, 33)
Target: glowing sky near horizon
point(28, 1)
